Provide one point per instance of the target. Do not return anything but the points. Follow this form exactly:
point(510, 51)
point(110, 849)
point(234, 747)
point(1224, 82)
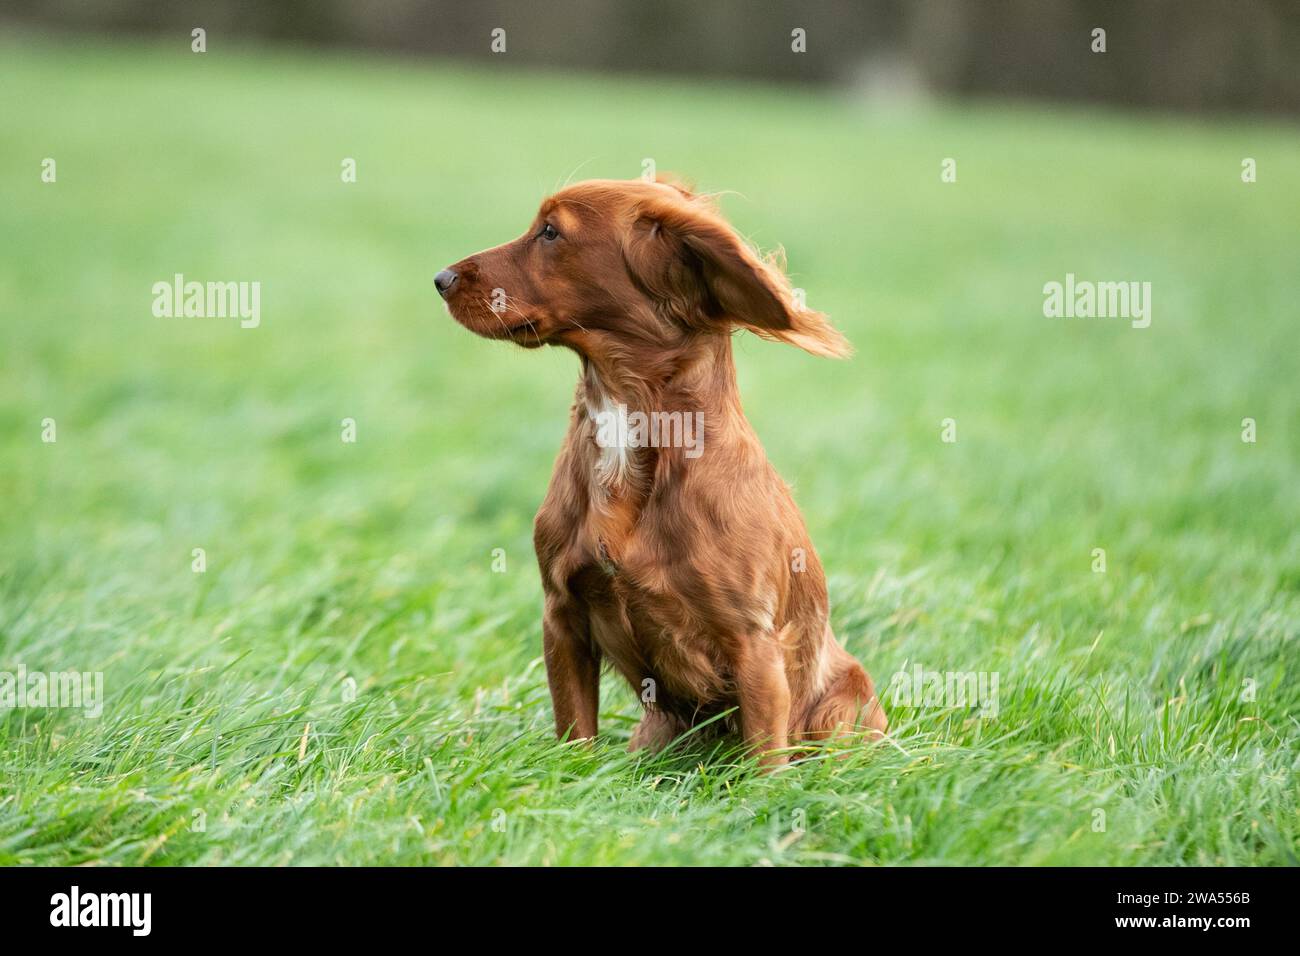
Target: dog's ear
point(684, 255)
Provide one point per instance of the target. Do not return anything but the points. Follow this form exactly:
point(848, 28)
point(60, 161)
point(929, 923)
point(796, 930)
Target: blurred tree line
point(1211, 55)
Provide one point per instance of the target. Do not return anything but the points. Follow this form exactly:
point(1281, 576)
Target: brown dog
point(682, 561)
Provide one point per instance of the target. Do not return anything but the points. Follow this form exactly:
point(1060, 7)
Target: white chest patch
point(612, 456)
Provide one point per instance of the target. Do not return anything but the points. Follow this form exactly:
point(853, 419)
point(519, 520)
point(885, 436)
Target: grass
point(351, 682)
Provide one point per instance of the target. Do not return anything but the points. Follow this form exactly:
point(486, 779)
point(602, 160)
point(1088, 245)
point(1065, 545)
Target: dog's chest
point(664, 661)
point(604, 559)
point(611, 549)
point(639, 616)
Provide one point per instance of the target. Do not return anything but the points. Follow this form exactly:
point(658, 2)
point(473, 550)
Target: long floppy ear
point(683, 253)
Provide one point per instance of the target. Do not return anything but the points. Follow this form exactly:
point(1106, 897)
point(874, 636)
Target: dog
point(689, 570)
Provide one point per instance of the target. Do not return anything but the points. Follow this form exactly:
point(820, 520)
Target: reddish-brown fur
point(681, 571)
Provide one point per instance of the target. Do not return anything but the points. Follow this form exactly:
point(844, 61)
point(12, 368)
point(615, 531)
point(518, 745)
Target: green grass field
point(351, 682)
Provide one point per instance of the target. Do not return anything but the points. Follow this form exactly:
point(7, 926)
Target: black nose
point(444, 280)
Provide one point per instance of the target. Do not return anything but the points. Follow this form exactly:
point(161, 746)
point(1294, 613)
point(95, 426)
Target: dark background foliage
point(1187, 55)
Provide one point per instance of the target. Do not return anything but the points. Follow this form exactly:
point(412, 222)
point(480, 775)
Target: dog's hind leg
point(656, 731)
point(847, 705)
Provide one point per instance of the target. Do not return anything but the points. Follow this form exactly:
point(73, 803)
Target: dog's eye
point(548, 233)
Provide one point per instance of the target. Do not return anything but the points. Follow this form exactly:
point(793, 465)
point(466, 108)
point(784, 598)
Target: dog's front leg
point(572, 669)
point(764, 698)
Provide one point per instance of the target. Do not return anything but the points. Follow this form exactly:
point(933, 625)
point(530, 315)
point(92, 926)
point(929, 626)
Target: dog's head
point(608, 264)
